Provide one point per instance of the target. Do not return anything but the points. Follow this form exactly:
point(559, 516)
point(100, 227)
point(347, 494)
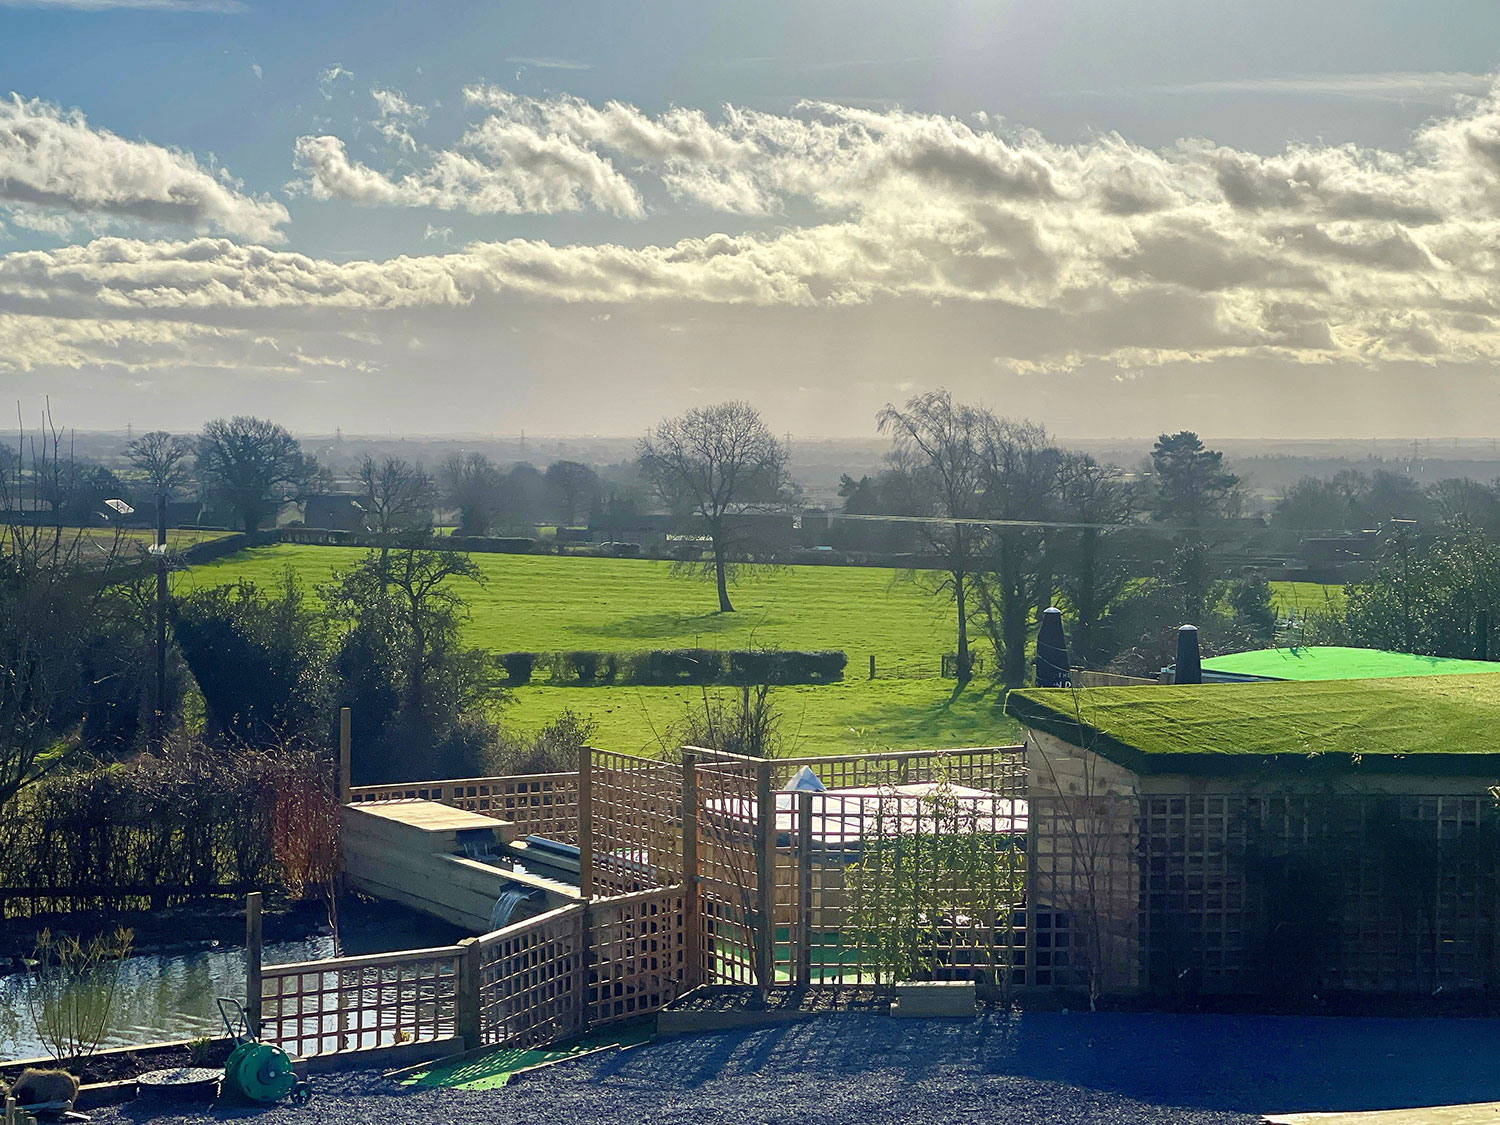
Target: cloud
point(54, 165)
point(548, 63)
point(1051, 256)
point(507, 171)
point(328, 80)
point(397, 117)
point(1437, 87)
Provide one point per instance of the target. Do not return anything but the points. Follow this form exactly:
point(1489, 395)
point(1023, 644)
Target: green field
point(1306, 597)
point(543, 603)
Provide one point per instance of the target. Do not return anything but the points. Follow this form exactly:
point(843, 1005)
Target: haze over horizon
point(1115, 219)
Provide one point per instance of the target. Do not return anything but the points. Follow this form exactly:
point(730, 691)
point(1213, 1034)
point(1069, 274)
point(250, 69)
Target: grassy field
point(542, 603)
point(1306, 597)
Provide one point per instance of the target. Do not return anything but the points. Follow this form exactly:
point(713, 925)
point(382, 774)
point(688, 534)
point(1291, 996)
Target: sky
point(1114, 217)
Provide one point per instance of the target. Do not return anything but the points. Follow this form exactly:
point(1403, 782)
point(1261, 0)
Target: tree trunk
point(959, 593)
point(721, 579)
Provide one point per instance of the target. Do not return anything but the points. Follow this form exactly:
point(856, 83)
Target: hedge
point(678, 666)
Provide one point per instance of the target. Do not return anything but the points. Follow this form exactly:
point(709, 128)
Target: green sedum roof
point(1333, 663)
point(1420, 724)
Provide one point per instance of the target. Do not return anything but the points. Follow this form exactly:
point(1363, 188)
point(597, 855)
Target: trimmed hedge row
point(476, 544)
point(666, 667)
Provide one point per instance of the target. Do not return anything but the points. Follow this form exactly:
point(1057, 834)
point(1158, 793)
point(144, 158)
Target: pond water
point(171, 996)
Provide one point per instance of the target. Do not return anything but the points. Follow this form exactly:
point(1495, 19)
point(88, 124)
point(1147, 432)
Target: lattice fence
point(728, 870)
point(530, 979)
point(353, 1003)
point(900, 883)
point(996, 769)
point(636, 823)
point(539, 804)
point(638, 954)
point(1297, 894)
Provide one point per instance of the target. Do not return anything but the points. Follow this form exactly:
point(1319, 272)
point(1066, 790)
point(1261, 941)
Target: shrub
point(70, 995)
point(552, 749)
point(518, 666)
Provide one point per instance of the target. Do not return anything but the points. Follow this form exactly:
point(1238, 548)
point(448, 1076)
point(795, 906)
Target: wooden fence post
point(804, 888)
point(585, 966)
point(252, 962)
point(872, 665)
point(468, 1018)
point(692, 905)
point(344, 749)
point(765, 881)
point(586, 822)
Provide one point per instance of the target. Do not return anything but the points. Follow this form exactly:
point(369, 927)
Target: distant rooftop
point(1416, 724)
point(1334, 663)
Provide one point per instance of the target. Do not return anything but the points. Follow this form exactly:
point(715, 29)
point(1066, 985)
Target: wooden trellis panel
point(530, 979)
point(1303, 892)
point(352, 1003)
point(874, 886)
point(638, 952)
point(637, 823)
point(728, 879)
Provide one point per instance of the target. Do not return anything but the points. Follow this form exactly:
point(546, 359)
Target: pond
point(171, 996)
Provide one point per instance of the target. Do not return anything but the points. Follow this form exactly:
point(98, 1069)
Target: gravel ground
point(1020, 1068)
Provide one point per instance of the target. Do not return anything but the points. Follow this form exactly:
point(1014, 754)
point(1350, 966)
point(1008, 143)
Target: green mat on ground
point(493, 1069)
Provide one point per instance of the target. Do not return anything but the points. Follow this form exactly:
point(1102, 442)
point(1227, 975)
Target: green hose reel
point(258, 1072)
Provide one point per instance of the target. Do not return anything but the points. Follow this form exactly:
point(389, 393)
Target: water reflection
point(160, 997)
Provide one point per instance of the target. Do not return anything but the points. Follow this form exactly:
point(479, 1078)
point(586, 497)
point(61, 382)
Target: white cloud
point(1054, 256)
point(507, 171)
point(54, 166)
point(1437, 87)
point(397, 117)
point(548, 62)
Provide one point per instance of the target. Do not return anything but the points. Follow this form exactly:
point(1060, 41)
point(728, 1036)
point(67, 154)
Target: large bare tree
point(253, 464)
point(398, 499)
point(474, 485)
point(710, 467)
point(940, 440)
point(163, 459)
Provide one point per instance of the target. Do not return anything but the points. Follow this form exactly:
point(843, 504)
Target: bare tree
point(398, 498)
point(710, 467)
point(474, 485)
point(253, 464)
point(942, 439)
point(1093, 569)
point(574, 485)
point(163, 459)
point(1018, 479)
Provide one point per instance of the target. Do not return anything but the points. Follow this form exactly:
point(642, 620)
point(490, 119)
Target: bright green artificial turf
point(1334, 663)
point(545, 603)
point(493, 1069)
point(1418, 724)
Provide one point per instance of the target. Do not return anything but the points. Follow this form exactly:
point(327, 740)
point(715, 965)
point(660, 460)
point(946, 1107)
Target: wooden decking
point(407, 852)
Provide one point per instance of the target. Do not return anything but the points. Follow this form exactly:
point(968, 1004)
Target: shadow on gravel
point(1245, 1064)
